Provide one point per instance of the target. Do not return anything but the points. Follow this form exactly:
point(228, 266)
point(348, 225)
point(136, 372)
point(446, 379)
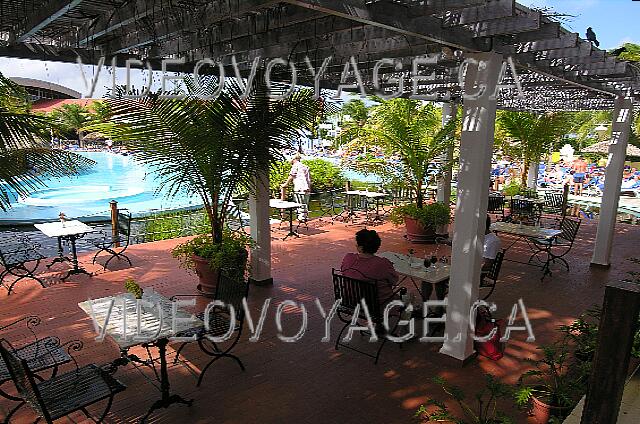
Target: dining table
point(413, 269)
point(285, 205)
point(71, 231)
point(149, 324)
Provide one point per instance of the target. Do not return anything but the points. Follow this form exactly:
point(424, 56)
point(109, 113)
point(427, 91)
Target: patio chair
point(555, 204)
point(63, 394)
point(557, 247)
point(496, 205)
point(117, 242)
point(41, 355)
point(19, 257)
point(524, 210)
point(488, 280)
point(350, 292)
point(230, 290)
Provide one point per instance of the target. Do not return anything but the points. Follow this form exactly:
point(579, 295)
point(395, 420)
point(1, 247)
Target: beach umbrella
point(603, 147)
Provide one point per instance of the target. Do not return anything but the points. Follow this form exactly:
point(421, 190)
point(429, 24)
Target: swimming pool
point(114, 177)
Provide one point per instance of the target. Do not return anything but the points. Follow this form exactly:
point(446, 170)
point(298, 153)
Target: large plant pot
point(417, 233)
point(543, 412)
point(208, 276)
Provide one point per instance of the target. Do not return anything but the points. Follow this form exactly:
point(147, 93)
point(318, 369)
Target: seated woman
point(365, 265)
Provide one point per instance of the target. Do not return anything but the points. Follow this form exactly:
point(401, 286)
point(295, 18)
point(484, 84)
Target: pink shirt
point(373, 268)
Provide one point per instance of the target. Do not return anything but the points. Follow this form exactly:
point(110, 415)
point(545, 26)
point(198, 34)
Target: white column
point(449, 111)
point(476, 149)
point(261, 232)
point(622, 117)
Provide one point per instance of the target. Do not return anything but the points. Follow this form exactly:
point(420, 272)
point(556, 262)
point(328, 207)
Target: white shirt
point(492, 246)
point(301, 177)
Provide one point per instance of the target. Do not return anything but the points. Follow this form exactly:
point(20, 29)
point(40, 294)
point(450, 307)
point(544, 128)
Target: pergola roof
point(558, 69)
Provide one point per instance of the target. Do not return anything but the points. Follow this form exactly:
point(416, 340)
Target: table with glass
point(285, 205)
point(413, 269)
point(121, 314)
point(71, 231)
point(526, 232)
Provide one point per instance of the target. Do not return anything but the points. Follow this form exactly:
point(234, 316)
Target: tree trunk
point(80, 139)
point(525, 173)
point(532, 175)
point(419, 198)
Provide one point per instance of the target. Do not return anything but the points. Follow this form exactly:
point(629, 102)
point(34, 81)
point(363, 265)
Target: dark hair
point(488, 222)
point(369, 240)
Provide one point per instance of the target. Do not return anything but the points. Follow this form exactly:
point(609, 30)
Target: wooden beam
point(46, 15)
point(491, 10)
point(395, 17)
point(513, 25)
point(582, 49)
point(562, 42)
point(547, 30)
point(608, 374)
point(200, 32)
point(132, 13)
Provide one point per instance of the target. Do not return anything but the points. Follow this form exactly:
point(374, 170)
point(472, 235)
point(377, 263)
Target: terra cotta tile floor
point(308, 381)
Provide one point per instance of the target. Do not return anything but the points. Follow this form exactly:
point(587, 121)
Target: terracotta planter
point(542, 412)
point(208, 276)
point(417, 233)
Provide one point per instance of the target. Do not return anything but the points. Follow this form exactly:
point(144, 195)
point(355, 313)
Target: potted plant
point(206, 258)
point(485, 409)
point(212, 143)
point(553, 386)
point(421, 223)
point(410, 136)
point(134, 288)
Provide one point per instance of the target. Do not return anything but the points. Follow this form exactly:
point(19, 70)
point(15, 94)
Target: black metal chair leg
point(204, 370)
point(13, 411)
point(175, 360)
point(106, 411)
point(340, 335)
point(384, 341)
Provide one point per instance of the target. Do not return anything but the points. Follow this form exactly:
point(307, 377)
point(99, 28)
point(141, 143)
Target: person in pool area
point(365, 265)
point(301, 179)
point(579, 168)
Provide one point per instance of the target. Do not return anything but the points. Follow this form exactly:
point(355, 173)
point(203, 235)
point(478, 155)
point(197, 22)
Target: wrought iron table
point(288, 206)
point(69, 230)
point(121, 313)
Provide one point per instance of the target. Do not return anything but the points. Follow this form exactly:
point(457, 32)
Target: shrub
point(324, 175)
point(430, 215)
point(513, 188)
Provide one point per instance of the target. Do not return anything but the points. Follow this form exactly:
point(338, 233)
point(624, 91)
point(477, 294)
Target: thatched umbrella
point(603, 147)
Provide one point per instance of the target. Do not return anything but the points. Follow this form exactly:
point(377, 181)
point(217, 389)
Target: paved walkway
point(308, 381)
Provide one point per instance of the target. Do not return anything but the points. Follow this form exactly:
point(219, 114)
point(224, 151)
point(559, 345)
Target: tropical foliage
point(483, 408)
point(324, 174)
point(354, 115)
point(211, 148)
point(26, 158)
point(410, 136)
point(530, 135)
point(72, 118)
point(628, 51)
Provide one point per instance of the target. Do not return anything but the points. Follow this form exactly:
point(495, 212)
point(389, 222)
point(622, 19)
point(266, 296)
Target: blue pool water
point(113, 177)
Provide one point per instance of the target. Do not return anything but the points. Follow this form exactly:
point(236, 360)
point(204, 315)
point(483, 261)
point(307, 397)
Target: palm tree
point(410, 131)
point(72, 118)
point(357, 113)
point(26, 158)
point(211, 148)
point(534, 133)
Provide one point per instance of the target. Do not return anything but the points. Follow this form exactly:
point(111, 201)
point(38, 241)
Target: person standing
point(301, 179)
point(579, 168)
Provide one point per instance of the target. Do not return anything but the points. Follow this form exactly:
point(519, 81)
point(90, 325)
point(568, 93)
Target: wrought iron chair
point(555, 204)
point(496, 205)
point(351, 292)
point(117, 242)
point(41, 355)
point(489, 279)
point(231, 289)
point(62, 394)
point(19, 257)
point(557, 247)
point(524, 210)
